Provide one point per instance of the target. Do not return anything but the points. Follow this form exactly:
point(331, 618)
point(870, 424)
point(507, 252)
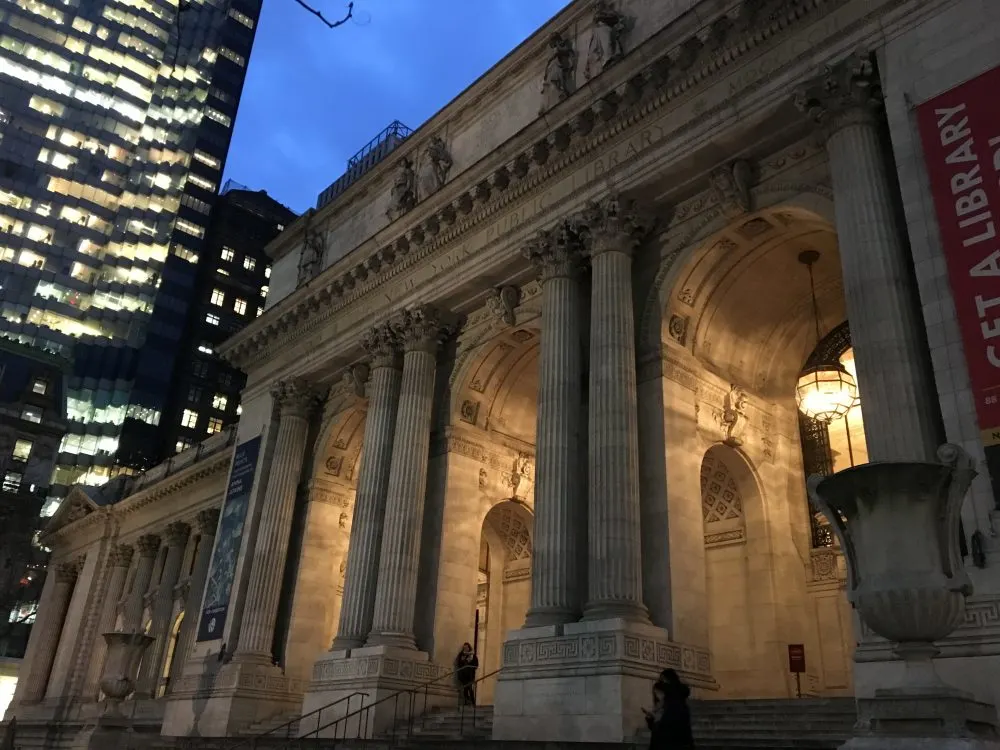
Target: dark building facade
point(115, 122)
point(230, 289)
point(32, 424)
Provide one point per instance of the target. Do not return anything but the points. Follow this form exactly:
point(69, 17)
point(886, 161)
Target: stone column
point(295, 400)
point(614, 579)
point(207, 521)
point(148, 546)
point(364, 550)
point(560, 509)
point(887, 329)
point(119, 561)
point(48, 630)
point(420, 330)
point(163, 607)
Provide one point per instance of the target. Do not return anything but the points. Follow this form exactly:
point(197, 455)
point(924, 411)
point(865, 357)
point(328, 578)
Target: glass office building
point(115, 121)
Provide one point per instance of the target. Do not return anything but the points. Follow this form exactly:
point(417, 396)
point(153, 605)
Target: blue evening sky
point(314, 96)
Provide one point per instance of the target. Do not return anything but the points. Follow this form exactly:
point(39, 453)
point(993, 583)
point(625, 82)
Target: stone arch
point(723, 503)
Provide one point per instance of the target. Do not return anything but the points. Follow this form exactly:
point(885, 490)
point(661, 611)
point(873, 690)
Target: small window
point(228, 253)
point(22, 449)
point(32, 415)
point(40, 387)
point(182, 445)
point(218, 297)
point(239, 409)
point(263, 291)
point(194, 395)
point(259, 311)
point(240, 306)
point(205, 349)
point(249, 263)
point(214, 425)
point(219, 401)
point(12, 481)
point(212, 319)
point(267, 272)
point(189, 418)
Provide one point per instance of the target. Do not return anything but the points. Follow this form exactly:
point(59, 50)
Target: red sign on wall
point(960, 131)
point(796, 658)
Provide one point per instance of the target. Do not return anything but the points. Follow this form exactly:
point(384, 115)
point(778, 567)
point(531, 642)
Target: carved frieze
point(559, 79)
point(732, 184)
point(434, 167)
point(607, 39)
point(403, 195)
point(501, 303)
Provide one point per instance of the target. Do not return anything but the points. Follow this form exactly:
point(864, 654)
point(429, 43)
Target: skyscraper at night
point(115, 121)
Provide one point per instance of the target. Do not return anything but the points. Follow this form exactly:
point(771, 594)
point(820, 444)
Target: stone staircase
point(271, 725)
point(445, 726)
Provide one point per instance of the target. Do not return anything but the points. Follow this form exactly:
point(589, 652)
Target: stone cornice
point(210, 467)
point(624, 107)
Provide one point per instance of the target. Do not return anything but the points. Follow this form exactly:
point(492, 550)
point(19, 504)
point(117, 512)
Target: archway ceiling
point(748, 299)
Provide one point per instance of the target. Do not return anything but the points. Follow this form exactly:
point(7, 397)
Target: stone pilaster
point(614, 580)
point(364, 551)
point(887, 330)
point(176, 536)
point(295, 400)
point(48, 630)
point(148, 546)
point(206, 522)
point(119, 560)
point(560, 509)
point(420, 330)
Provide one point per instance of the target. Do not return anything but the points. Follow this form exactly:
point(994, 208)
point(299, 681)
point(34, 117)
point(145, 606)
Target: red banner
point(960, 131)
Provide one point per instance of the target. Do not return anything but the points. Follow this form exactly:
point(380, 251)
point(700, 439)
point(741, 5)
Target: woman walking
point(670, 720)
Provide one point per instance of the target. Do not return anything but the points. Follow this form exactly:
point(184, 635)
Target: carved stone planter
point(125, 651)
point(898, 525)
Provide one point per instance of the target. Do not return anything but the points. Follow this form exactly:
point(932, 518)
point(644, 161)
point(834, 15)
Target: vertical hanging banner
point(228, 540)
point(960, 132)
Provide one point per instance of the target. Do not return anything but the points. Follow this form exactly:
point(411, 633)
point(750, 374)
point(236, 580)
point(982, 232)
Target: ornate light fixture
point(826, 391)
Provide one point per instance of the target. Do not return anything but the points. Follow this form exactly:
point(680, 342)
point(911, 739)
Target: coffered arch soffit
point(734, 295)
point(339, 443)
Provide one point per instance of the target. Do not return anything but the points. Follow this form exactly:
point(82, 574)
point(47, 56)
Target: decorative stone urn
point(121, 669)
point(898, 525)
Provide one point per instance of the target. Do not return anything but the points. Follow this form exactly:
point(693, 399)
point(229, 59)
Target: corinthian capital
point(382, 345)
point(121, 556)
point(421, 328)
point(148, 544)
point(177, 533)
point(68, 571)
point(613, 225)
point(207, 521)
point(845, 92)
point(295, 397)
point(555, 253)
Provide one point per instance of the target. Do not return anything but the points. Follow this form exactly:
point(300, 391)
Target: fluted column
point(420, 331)
point(364, 551)
point(614, 579)
point(206, 522)
point(148, 546)
point(560, 507)
point(48, 630)
point(176, 537)
point(119, 561)
point(295, 399)
point(898, 397)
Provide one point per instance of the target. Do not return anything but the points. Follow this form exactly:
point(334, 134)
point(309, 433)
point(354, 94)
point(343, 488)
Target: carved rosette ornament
point(555, 253)
point(382, 345)
point(421, 329)
point(613, 225)
point(295, 397)
point(501, 303)
point(121, 556)
point(732, 184)
point(847, 91)
point(207, 521)
point(148, 545)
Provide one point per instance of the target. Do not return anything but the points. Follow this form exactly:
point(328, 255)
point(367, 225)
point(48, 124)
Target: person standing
point(670, 720)
point(466, 664)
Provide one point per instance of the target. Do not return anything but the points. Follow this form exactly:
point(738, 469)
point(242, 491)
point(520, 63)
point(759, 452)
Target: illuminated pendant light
point(826, 391)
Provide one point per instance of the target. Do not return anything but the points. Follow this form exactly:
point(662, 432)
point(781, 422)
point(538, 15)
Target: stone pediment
point(458, 222)
point(76, 506)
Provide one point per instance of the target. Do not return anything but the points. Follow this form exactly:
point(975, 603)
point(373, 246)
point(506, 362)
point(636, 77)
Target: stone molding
point(615, 650)
point(690, 65)
point(454, 442)
point(231, 680)
point(328, 672)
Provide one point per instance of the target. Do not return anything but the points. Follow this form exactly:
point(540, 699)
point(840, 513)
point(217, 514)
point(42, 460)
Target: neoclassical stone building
point(550, 379)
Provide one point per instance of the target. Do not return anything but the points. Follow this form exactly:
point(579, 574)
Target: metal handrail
point(366, 710)
point(251, 741)
point(475, 703)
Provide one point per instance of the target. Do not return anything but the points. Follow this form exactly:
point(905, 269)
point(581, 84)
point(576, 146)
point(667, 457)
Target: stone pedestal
point(902, 722)
point(379, 672)
point(586, 681)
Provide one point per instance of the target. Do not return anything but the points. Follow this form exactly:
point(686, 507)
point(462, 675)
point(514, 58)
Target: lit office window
point(182, 445)
point(214, 425)
point(22, 449)
point(32, 415)
point(218, 297)
point(12, 481)
point(212, 319)
point(39, 387)
point(249, 263)
point(240, 306)
point(267, 272)
point(189, 418)
point(228, 253)
point(219, 401)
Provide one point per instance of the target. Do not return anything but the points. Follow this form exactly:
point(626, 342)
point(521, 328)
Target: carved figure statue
point(734, 415)
point(521, 472)
point(560, 72)
point(732, 184)
point(606, 40)
point(435, 167)
point(501, 303)
point(404, 190)
point(313, 249)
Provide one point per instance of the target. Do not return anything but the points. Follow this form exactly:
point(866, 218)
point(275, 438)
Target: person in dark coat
point(670, 720)
point(466, 664)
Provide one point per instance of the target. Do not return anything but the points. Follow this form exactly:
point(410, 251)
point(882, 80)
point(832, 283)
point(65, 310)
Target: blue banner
point(228, 540)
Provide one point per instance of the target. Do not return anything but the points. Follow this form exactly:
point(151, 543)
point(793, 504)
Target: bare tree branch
point(329, 24)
